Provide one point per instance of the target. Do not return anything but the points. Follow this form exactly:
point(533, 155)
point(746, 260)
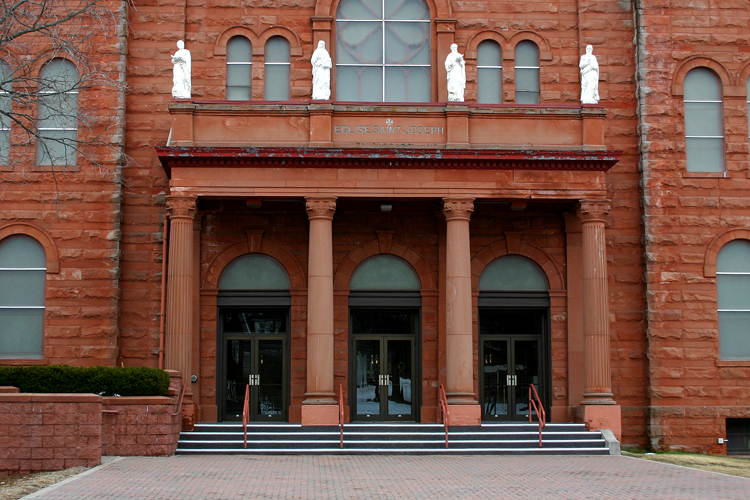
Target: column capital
point(182, 206)
point(320, 208)
point(593, 210)
point(458, 209)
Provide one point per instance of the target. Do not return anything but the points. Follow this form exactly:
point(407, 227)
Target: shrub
point(104, 380)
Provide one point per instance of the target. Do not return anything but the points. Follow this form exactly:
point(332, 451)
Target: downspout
point(641, 79)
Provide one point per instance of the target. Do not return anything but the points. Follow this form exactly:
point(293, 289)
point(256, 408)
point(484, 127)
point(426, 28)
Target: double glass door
point(384, 374)
point(509, 365)
point(256, 357)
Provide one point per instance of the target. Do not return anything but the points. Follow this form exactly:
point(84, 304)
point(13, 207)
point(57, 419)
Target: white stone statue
point(182, 86)
point(321, 73)
point(455, 66)
point(589, 77)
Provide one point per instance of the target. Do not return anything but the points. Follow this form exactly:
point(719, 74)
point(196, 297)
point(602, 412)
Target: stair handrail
point(178, 411)
point(444, 411)
point(246, 411)
point(341, 414)
point(536, 404)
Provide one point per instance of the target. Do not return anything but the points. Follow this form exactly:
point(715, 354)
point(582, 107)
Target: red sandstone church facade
point(389, 242)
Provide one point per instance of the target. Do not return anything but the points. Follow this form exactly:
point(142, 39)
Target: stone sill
point(730, 363)
point(705, 175)
point(23, 362)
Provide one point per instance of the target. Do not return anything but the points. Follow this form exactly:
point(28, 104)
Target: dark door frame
point(519, 301)
point(252, 300)
point(387, 301)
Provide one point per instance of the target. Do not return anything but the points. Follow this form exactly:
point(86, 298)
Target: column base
point(465, 414)
point(320, 414)
point(597, 417)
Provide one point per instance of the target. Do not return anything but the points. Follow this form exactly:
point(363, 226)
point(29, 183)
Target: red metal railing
point(178, 411)
point(444, 412)
point(341, 414)
point(246, 411)
point(536, 404)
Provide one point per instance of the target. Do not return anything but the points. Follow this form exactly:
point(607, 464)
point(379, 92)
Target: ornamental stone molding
point(320, 208)
point(458, 209)
point(182, 206)
point(593, 210)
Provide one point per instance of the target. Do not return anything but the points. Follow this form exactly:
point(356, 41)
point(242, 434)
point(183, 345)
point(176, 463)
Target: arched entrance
point(514, 343)
point(384, 326)
point(253, 338)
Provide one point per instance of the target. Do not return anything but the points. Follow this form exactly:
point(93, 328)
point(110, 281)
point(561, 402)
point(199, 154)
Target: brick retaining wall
point(44, 432)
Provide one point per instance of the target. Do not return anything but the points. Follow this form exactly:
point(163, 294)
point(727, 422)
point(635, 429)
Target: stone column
point(320, 406)
point(178, 334)
point(599, 408)
point(459, 344)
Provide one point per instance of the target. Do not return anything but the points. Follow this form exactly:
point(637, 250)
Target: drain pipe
point(163, 306)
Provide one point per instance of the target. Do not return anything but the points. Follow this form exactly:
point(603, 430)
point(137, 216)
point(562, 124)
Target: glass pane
point(238, 93)
point(384, 322)
point(733, 257)
point(359, 43)
point(22, 251)
point(407, 43)
point(527, 54)
point(360, 9)
point(734, 291)
point(248, 321)
point(384, 272)
point(58, 75)
point(406, 9)
point(277, 49)
point(526, 370)
point(527, 80)
point(21, 332)
point(254, 272)
point(368, 375)
point(502, 322)
point(363, 84)
point(5, 106)
point(56, 147)
point(490, 85)
point(704, 118)
point(527, 97)
point(239, 75)
point(489, 54)
point(5, 77)
point(496, 377)
point(22, 288)
point(239, 364)
point(277, 82)
point(271, 375)
point(4, 147)
point(734, 335)
point(58, 110)
point(239, 49)
point(512, 272)
point(399, 383)
point(407, 84)
point(705, 155)
point(702, 84)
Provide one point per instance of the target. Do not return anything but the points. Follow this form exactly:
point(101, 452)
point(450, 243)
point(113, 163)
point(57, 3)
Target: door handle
point(384, 380)
point(511, 380)
point(254, 380)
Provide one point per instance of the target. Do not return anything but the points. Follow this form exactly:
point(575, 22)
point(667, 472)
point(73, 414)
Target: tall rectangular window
point(277, 68)
point(5, 110)
point(527, 73)
point(733, 290)
point(239, 69)
point(57, 105)
point(704, 121)
point(489, 73)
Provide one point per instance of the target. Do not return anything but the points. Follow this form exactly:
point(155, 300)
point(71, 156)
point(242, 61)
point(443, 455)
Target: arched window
point(58, 114)
point(513, 272)
point(489, 73)
point(733, 290)
point(277, 66)
point(254, 271)
point(23, 270)
point(704, 121)
point(384, 272)
point(5, 109)
point(527, 73)
point(383, 51)
point(239, 69)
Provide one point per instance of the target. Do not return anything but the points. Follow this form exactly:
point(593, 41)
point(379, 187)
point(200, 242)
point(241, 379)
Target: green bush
point(104, 380)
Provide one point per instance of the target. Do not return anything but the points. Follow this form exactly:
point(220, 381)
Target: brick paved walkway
point(395, 477)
